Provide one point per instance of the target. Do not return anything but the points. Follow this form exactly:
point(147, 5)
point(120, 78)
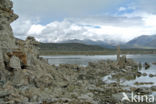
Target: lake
point(84, 59)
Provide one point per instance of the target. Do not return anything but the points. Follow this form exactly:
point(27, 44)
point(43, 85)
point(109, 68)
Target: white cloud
point(150, 20)
point(139, 18)
point(121, 29)
point(122, 9)
point(36, 29)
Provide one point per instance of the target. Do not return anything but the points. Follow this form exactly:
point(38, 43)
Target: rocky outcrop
point(146, 65)
point(15, 63)
point(118, 53)
point(154, 63)
point(6, 17)
point(25, 78)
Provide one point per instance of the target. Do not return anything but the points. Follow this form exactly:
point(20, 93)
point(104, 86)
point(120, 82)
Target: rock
point(32, 46)
point(144, 74)
point(143, 83)
point(146, 65)
point(44, 81)
point(6, 4)
point(7, 15)
point(1, 60)
point(143, 90)
point(151, 75)
point(4, 94)
point(21, 78)
point(138, 74)
point(15, 63)
point(118, 53)
point(154, 63)
point(140, 65)
point(153, 88)
point(122, 62)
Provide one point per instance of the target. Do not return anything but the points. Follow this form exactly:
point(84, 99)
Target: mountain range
point(70, 47)
point(144, 41)
point(141, 42)
point(91, 42)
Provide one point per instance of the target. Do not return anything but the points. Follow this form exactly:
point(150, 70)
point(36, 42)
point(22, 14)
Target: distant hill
point(91, 42)
point(69, 47)
point(144, 41)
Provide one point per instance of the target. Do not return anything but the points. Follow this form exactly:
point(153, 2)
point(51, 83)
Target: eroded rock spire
point(6, 17)
point(118, 53)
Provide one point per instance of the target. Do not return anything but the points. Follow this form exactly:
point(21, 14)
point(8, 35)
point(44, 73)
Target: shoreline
point(55, 53)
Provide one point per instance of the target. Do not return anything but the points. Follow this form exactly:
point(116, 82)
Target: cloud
point(122, 9)
point(145, 5)
point(150, 20)
point(60, 9)
point(22, 26)
point(107, 20)
point(118, 29)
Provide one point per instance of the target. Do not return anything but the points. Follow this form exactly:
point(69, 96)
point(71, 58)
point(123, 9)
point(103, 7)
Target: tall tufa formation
point(15, 54)
point(7, 16)
point(118, 53)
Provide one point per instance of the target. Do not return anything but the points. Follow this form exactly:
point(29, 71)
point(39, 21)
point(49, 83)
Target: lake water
point(84, 59)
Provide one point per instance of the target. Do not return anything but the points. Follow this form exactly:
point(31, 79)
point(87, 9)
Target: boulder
point(15, 63)
point(122, 61)
point(6, 4)
point(31, 45)
point(146, 65)
point(1, 60)
point(4, 94)
point(153, 88)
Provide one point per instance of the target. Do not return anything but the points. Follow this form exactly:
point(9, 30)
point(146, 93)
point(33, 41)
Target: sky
point(116, 21)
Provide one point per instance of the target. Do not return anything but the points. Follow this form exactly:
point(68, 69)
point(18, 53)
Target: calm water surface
point(84, 59)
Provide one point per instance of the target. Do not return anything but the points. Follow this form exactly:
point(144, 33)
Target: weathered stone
point(144, 74)
point(146, 65)
point(44, 81)
point(143, 90)
point(118, 53)
point(122, 61)
point(1, 27)
point(6, 4)
point(4, 94)
point(7, 15)
point(1, 60)
point(151, 75)
point(32, 45)
point(140, 66)
point(153, 88)
point(15, 63)
point(20, 78)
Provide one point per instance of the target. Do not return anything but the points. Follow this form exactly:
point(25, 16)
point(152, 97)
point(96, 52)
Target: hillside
point(144, 41)
point(69, 47)
point(103, 44)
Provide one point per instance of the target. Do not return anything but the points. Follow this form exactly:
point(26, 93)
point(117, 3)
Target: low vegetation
point(82, 49)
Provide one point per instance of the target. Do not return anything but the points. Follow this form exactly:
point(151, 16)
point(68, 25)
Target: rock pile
point(25, 78)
